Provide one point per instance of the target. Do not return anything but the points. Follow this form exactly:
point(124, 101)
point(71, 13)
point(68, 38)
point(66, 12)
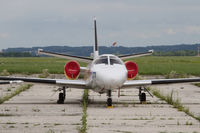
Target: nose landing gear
point(62, 95)
point(109, 99)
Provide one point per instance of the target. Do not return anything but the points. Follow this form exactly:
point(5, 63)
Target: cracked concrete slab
point(128, 116)
point(187, 93)
point(36, 111)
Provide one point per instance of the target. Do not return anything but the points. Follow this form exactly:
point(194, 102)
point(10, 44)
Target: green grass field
point(33, 65)
point(154, 65)
point(150, 65)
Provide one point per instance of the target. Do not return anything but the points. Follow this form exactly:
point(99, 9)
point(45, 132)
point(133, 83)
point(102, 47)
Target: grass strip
point(197, 84)
point(83, 129)
point(16, 92)
point(4, 115)
point(175, 102)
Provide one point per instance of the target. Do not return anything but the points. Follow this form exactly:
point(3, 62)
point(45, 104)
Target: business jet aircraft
point(104, 74)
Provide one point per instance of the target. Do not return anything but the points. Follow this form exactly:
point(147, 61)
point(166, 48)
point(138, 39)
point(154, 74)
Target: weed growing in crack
point(44, 73)
point(84, 116)
point(175, 102)
point(197, 84)
point(36, 110)
point(16, 92)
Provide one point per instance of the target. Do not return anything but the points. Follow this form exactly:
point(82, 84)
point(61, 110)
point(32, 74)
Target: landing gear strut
point(62, 95)
point(109, 99)
point(142, 94)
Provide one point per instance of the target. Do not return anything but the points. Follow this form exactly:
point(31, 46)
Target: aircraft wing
point(131, 83)
point(66, 56)
point(10, 82)
point(136, 55)
point(80, 84)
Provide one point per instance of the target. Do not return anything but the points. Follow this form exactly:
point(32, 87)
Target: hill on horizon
point(87, 50)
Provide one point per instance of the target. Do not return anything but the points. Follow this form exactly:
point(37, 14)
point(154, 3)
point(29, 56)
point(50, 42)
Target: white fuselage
point(106, 72)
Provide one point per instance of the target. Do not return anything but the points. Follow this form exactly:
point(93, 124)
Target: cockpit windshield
point(115, 60)
point(102, 60)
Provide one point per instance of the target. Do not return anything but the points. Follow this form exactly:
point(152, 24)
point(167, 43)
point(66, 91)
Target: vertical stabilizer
point(96, 51)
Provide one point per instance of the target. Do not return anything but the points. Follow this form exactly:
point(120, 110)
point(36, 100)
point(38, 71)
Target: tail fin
point(96, 51)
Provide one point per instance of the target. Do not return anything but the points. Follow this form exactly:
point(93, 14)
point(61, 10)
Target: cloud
point(4, 35)
point(189, 30)
point(192, 29)
point(170, 31)
point(70, 22)
point(147, 35)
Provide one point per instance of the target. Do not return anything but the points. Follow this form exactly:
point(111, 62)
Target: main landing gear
point(62, 95)
point(109, 99)
point(142, 94)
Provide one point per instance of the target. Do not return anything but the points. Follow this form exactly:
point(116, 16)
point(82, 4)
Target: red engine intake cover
point(72, 69)
point(132, 69)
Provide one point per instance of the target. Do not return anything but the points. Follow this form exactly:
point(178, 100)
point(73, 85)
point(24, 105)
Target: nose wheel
point(109, 102)
point(109, 99)
point(61, 97)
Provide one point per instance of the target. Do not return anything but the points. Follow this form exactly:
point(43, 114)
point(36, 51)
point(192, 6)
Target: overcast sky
point(28, 23)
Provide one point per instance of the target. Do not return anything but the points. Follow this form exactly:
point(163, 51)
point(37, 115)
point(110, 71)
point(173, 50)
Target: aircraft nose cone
point(112, 79)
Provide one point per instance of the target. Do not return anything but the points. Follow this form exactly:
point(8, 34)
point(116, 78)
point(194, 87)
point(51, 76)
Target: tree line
point(176, 53)
point(156, 53)
point(16, 54)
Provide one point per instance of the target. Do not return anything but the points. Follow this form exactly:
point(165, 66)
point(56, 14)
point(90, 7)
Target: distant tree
point(176, 53)
point(15, 54)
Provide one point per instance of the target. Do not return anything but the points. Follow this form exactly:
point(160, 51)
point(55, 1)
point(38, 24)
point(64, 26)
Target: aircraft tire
point(109, 101)
point(61, 98)
point(143, 97)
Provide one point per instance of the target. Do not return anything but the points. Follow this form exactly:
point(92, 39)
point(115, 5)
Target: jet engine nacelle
point(132, 69)
point(72, 69)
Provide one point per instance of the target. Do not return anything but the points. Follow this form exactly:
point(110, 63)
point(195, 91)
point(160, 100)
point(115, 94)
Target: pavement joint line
point(20, 89)
point(174, 102)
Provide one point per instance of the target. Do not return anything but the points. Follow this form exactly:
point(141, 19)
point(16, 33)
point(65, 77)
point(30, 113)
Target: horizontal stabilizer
point(136, 55)
point(66, 56)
